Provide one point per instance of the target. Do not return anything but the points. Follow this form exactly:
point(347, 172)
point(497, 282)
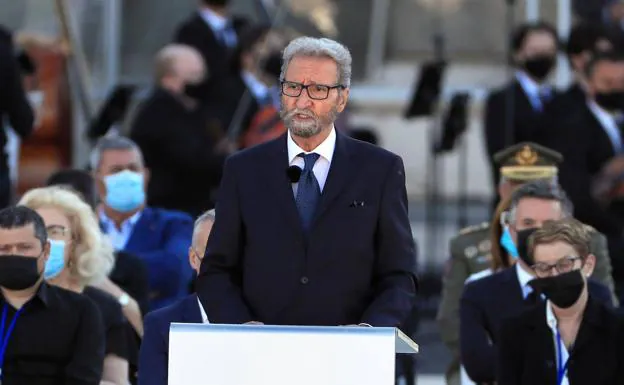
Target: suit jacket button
point(304, 280)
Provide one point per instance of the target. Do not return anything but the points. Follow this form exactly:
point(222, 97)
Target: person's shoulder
point(486, 282)
point(479, 275)
point(368, 149)
point(166, 314)
point(471, 241)
point(71, 300)
point(167, 214)
point(259, 152)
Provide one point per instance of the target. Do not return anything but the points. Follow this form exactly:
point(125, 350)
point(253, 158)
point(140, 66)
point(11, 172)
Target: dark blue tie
point(308, 191)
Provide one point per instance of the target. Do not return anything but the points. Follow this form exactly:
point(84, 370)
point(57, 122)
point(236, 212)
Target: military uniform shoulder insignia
point(474, 228)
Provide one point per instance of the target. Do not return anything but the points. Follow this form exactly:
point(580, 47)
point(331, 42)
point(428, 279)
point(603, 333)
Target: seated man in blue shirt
point(154, 353)
point(159, 237)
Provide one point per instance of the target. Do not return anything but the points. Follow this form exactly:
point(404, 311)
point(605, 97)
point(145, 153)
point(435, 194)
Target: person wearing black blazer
point(312, 227)
point(513, 112)
point(571, 338)
point(215, 34)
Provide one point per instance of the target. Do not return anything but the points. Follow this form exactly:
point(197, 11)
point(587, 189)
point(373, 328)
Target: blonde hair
point(566, 230)
point(93, 256)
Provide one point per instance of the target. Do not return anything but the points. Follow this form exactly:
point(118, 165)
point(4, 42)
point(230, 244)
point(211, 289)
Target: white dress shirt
point(203, 312)
point(533, 90)
point(551, 320)
point(321, 167)
point(218, 24)
point(258, 89)
point(119, 237)
point(523, 280)
point(607, 121)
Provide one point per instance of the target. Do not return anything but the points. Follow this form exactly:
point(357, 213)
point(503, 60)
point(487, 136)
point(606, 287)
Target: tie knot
point(309, 160)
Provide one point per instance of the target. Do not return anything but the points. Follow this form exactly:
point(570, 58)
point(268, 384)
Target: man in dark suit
point(486, 302)
point(214, 33)
point(159, 237)
point(313, 226)
point(513, 112)
point(176, 133)
point(14, 107)
point(154, 354)
point(588, 137)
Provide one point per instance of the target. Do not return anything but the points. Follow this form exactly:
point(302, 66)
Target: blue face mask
point(124, 191)
point(56, 260)
point(508, 244)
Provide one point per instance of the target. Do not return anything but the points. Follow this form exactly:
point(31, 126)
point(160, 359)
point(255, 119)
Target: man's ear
point(46, 251)
point(146, 176)
point(343, 98)
point(589, 265)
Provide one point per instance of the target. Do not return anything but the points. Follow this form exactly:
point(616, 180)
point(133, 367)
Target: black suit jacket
point(196, 33)
point(527, 351)
point(586, 148)
point(525, 121)
point(484, 305)
point(357, 265)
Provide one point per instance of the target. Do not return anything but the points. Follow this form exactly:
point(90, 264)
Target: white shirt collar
point(203, 312)
point(214, 20)
point(530, 86)
point(127, 224)
point(600, 113)
point(551, 320)
point(325, 149)
point(608, 123)
point(524, 278)
point(256, 87)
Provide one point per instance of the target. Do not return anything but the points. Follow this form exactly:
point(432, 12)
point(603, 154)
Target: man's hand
point(226, 146)
point(253, 323)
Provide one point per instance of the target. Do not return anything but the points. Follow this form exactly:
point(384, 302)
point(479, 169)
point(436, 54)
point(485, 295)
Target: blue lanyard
point(561, 367)
point(4, 338)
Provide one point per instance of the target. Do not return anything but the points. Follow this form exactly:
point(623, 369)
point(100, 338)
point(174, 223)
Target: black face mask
point(539, 67)
point(18, 272)
point(273, 65)
point(562, 290)
point(522, 245)
point(217, 3)
point(610, 101)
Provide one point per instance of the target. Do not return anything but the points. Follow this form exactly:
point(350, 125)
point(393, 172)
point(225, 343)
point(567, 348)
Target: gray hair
point(310, 46)
point(111, 142)
point(540, 189)
point(209, 215)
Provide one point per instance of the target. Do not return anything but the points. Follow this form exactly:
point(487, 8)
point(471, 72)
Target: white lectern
point(206, 354)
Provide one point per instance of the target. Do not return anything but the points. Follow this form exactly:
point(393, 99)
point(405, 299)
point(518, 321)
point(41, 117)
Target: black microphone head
point(294, 173)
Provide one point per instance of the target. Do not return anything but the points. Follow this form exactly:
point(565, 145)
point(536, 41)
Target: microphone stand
point(434, 168)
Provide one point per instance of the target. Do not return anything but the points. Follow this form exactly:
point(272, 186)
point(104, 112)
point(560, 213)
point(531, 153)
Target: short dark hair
point(584, 37)
point(599, 57)
point(79, 180)
point(21, 216)
point(520, 34)
point(540, 189)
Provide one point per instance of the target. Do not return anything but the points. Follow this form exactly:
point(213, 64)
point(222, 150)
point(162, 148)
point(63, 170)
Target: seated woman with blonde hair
point(78, 258)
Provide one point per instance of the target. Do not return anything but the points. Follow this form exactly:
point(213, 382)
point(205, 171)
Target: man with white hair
point(313, 226)
point(153, 358)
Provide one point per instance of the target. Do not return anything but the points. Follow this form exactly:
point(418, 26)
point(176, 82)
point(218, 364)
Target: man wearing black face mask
point(588, 137)
point(48, 335)
point(513, 113)
point(572, 332)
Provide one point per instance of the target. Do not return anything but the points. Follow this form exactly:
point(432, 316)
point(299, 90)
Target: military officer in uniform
point(470, 249)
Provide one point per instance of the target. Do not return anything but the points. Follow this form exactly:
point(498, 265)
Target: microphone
point(293, 173)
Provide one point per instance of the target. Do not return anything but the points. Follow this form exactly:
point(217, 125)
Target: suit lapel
point(340, 173)
point(140, 230)
point(190, 310)
point(280, 184)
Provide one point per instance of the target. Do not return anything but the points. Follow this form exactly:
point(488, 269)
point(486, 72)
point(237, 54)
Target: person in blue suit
point(154, 354)
point(313, 226)
point(159, 237)
point(488, 301)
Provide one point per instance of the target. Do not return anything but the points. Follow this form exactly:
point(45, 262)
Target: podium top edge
point(389, 331)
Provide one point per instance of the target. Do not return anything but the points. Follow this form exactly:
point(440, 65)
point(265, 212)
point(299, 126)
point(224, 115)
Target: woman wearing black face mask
point(572, 337)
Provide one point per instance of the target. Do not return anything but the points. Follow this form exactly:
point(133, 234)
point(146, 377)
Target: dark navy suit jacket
point(154, 354)
point(485, 304)
point(357, 264)
point(161, 239)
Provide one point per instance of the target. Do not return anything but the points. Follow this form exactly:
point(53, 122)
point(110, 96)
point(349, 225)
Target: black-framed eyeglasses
point(564, 265)
point(315, 91)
